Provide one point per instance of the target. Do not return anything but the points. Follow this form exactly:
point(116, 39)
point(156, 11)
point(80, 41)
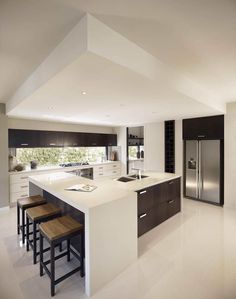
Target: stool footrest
point(56, 257)
point(67, 275)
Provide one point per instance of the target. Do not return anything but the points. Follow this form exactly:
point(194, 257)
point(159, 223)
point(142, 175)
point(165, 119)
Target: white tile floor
point(190, 256)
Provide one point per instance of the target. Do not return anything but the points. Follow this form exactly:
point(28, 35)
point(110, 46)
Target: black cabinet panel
point(51, 139)
point(170, 146)
point(172, 189)
point(23, 138)
point(70, 139)
point(111, 140)
point(173, 207)
point(33, 138)
point(157, 203)
point(146, 221)
point(145, 200)
point(211, 127)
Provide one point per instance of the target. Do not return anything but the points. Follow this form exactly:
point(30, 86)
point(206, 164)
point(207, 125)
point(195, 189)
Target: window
point(56, 156)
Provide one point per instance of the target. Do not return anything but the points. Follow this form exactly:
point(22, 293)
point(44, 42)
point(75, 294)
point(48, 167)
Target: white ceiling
point(115, 96)
point(195, 38)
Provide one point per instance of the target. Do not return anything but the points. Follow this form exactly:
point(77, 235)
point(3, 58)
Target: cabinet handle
point(26, 144)
point(52, 144)
point(171, 201)
point(143, 215)
point(24, 195)
point(114, 165)
point(94, 143)
point(170, 183)
point(24, 177)
point(201, 136)
point(100, 167)
point(142, 192)
point(22, 187)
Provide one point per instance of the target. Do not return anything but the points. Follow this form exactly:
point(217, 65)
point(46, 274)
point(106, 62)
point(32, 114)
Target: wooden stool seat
point(36, 216)
point(31, 201)
point(55, 231)
point(23, 204)
point(60, 227)
point(40, 212)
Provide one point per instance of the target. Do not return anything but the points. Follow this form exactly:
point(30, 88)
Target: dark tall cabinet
point(170, 146)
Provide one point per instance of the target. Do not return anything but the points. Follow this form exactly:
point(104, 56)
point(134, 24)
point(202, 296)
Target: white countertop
point(108, 189)
point(57, 167)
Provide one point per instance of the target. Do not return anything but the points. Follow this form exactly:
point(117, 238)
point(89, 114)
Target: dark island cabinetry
point(158, 203)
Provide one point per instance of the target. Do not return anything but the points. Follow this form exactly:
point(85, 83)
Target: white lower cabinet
point(19, 182)
point(111, 169)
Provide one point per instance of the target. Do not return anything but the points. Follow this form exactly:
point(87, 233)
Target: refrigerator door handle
point(197, 169)
point(200, 170)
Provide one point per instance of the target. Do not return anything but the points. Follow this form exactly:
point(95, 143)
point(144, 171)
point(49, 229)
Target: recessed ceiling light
point(154, 112)
point(83, 93)
point(107, 115)
point(50, 107)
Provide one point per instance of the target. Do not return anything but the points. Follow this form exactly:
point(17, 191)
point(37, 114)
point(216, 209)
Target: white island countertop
point(110, 219)
point(108, 189)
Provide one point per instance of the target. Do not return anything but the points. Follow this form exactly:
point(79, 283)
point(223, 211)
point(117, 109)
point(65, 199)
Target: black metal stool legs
point(18, 219)
point(68, 250)
point(52, 253)
point(34, 243)
point(23, 225)
point(41, 254)
point(82, 254)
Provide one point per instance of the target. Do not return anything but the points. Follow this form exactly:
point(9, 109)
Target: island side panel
point(111, 240)
point(65, 208)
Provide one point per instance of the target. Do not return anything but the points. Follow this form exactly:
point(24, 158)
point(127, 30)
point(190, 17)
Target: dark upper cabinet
point(72, 139)
point(111, 139)
point(211, 127)
point(23, 138)
point(97, 139)
point(32, 138)
point(51, 139)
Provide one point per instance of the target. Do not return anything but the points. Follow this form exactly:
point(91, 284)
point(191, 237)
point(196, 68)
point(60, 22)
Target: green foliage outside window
point(55, 156)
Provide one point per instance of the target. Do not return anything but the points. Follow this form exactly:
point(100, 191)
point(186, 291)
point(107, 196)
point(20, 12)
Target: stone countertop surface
point(108, 189)
point(59, 168)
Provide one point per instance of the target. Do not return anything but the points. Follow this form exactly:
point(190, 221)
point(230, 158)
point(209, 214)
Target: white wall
point(230, 155)
point(154, 146)
point(25, 124)
point(4, 184)
point(122, 142)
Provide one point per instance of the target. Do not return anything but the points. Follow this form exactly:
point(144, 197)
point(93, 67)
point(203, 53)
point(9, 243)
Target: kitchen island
point(111, 217)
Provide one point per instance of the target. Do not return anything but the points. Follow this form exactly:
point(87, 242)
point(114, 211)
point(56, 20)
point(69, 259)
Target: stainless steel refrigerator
point(203, 170)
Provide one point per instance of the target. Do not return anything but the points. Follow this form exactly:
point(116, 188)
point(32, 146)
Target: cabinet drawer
point(17, 195)
point(20, 187)
point(145, 200)
point(17, 178)
point(173, 207)
point(145, 222)
point(172, 189)
point(112, 172)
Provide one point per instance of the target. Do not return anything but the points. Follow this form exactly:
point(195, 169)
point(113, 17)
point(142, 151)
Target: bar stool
point(35, 216)
point(56, 231)
point(23, 204)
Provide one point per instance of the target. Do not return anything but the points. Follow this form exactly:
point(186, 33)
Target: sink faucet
point(138, 173)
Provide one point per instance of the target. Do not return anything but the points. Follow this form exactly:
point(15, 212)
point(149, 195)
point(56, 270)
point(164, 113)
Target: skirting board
point(4, 209)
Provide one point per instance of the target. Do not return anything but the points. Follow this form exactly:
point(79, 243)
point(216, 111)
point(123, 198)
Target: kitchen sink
point(136, 176)
point(130, 178)
point(125, 179)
